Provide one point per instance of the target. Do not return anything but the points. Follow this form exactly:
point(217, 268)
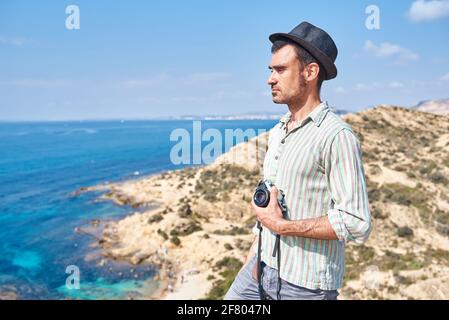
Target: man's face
point(286, 80)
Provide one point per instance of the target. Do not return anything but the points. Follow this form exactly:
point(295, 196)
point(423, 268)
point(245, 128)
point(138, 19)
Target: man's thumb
point(274, 195)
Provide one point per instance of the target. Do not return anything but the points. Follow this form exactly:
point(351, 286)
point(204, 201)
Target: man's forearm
point(317, 228)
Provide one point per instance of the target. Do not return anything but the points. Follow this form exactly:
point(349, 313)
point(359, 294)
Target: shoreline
point(179, 227)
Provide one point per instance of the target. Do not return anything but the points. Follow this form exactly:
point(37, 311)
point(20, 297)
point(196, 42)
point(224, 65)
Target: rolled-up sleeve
point(350, 215)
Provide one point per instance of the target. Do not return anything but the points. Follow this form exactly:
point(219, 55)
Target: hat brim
point(326, 62)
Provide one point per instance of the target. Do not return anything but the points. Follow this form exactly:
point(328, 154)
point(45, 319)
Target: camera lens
point(261, 198)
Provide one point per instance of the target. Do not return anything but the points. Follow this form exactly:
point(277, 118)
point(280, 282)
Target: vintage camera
point(261, 196)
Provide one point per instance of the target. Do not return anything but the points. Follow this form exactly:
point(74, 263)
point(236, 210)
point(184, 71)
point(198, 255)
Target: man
point(314, 157)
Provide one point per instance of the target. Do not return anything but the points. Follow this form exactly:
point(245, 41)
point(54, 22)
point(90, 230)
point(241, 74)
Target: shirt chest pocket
point(302, 160)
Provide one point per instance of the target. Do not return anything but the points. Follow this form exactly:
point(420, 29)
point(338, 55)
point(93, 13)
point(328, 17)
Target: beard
point(302, 85)
point(302, 89)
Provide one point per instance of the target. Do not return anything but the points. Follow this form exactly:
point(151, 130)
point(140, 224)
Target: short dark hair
point(303, 55)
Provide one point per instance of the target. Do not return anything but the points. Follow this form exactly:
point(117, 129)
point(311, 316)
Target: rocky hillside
point(199, 233)
point(406, 160)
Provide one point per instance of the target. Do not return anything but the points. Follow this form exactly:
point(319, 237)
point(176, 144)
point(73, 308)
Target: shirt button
point(283, 141)
point(276, 157)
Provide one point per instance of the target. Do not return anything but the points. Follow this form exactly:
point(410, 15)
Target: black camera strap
point(259, 263)
point(276, 252)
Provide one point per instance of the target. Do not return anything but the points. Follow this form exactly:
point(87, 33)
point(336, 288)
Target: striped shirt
point(319, 168)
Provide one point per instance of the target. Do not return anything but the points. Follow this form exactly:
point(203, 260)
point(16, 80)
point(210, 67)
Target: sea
point(43, 254)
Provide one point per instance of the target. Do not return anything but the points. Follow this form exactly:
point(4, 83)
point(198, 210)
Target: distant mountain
point(434, 106)
point(243, 116)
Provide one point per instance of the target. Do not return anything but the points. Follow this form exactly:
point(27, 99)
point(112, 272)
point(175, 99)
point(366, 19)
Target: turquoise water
point(41, 166)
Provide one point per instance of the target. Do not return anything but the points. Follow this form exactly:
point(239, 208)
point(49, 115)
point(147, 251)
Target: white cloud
point(445, 77)
point(379, 86)
point(363, 86)
point(422, 10)
point(33, 83)
point(390, 50)
point(145, 82)
point(214, 96)
point(14, 41)
point(266, 93)
point(203, 78)
point(340, 90)
point(395, 85)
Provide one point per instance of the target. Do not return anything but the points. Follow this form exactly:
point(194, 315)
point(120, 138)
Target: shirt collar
point(317, 115)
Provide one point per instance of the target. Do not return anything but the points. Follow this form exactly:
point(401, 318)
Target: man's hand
point(271, 216)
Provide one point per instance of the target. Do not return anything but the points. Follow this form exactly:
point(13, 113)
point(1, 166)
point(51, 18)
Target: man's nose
point(271, 80)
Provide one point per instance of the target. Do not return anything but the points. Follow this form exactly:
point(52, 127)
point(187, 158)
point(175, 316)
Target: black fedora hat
point(317, 42)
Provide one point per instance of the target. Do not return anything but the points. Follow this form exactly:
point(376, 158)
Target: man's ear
point(312, 71)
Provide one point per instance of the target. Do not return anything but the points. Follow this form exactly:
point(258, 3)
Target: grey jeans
point(245, 287)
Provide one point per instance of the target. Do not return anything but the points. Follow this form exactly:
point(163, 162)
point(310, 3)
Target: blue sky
point(144, 59)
